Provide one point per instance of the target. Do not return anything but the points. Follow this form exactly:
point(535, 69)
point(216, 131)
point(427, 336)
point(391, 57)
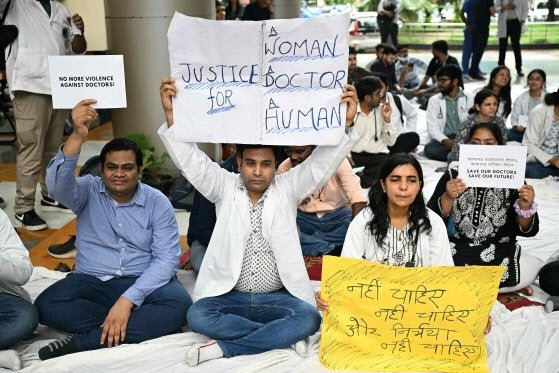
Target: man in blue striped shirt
point(123, 288)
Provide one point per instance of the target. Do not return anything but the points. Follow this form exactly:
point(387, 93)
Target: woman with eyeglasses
point(542, 139)
point(524, 104)
point(488, 220)
point(483, 111)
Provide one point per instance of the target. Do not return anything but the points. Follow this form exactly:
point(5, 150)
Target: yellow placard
point(385, 318)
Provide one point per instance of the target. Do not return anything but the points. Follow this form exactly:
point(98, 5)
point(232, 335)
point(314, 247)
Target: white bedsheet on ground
point(525, 340)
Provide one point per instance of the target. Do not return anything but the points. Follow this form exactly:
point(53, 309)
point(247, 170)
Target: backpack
point(181, 194)
point(398, 102)
point(91, 167)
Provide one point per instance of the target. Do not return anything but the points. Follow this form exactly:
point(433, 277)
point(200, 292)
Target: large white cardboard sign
point(75, 78)
point(270, 82)
point(492, 166)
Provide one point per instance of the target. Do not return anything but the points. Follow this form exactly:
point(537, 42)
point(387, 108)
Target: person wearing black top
point(440, 58)
point(260, 10)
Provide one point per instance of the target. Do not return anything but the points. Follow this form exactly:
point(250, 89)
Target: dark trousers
point(386, 29)
point(79, 304)
point(372, 163)
point(513, 31)
point(405, 143)
point(481, 34)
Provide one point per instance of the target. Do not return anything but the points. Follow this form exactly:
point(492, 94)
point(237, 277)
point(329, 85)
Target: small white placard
point(76, 78)
point(492, 166)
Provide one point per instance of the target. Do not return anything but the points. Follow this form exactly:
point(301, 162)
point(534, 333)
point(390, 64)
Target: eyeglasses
point(483, 142)
point(535, 79)
point(298, 152)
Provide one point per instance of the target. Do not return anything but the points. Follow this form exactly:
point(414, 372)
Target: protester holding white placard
point(483, 111)
point(46, 28)
point(253, 292)
point(524, 104)
point(487, 220)
point(542, 139)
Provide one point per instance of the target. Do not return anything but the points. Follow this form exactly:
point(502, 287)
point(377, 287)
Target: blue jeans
point(250, 323)
point(18, 319)
point(319, 236)
point(197, 253)
point(79, 304)
point(467, 51)
point(535, 170)
point(436, 150)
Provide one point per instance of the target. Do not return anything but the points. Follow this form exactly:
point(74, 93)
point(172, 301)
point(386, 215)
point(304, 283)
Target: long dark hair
point(380, 222)
point(552, 98)
point(504, 95)
point(480, 97)
point(491, 127)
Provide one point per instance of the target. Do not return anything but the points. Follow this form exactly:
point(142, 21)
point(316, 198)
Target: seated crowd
point(251, 225)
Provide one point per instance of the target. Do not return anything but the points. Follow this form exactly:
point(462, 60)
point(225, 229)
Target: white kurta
point(432, 249)
point(15, 265)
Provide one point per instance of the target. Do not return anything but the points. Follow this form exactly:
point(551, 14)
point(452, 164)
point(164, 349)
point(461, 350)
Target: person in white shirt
point(253, 292)
point(445, 111)
point(18, 316)
point(524, 104)
point(374, 123)
point(388, 232)
point(46, 28)
point(512, 17)
point(404, 117)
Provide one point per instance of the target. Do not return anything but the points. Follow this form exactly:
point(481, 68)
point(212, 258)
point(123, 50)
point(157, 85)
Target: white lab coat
point(436, 114)
point(521, 13)
point(520, 106)
point(15, 265)
point(222, 263)
point(432, 249)
point(39, 37)
point(409, 112)
point(540, 120)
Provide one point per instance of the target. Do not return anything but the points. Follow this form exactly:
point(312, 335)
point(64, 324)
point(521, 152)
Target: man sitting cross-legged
point(253, 292)
point(324, 216)
point(124, 287)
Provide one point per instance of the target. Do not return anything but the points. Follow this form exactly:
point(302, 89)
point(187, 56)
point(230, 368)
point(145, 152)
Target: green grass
point(453, 34)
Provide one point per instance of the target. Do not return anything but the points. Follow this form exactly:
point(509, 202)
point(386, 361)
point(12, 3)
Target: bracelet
point(525, 213)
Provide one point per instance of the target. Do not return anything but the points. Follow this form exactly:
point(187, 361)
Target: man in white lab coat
point(253, 293)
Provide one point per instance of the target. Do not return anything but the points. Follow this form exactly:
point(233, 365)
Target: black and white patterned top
point(486, 228)
point(259, 272)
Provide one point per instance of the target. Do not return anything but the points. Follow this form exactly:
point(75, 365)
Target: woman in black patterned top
point(487, 220)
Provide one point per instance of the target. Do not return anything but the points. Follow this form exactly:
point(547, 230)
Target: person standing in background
point(467, 17)
point(46, 28)
point(483, 10)
point(388, 16)
point(512, 17)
